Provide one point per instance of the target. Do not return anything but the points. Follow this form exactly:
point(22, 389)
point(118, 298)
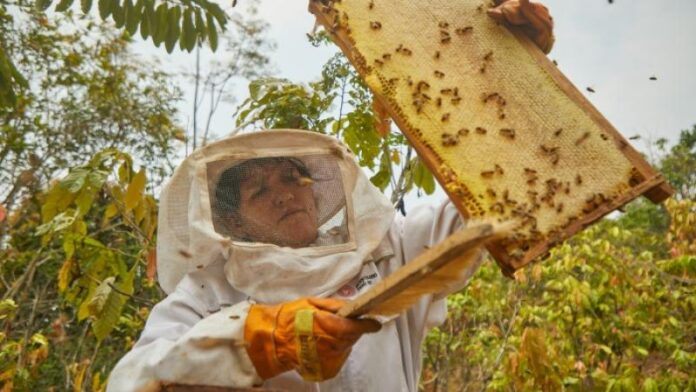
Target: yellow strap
point(310, 368)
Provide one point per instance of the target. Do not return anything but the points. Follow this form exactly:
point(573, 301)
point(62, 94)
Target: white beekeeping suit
point(213, 276)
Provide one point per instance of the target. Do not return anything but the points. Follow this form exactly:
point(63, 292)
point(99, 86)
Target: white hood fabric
point(188, 240)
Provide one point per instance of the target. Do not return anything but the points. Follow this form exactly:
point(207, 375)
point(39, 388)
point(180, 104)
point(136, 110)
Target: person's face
point(277, 206)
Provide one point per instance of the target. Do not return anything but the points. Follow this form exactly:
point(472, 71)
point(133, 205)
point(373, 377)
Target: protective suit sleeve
point(180, 345)
point(423, 227)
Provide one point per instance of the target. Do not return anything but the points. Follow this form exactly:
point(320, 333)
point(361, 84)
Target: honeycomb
point(501, 135)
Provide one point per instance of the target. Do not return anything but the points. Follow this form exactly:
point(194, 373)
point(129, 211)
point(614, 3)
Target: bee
point(445, 117)
point(437, 54)
point(499, 170)
point(558, 132)
point(488, 56)
point(185, 253)
point(446, 91)
point(386, 56)
point(508, 133)
point(445, 39)
point(482, 69)
point(375, 25)
point(455, 92)
point(653, 78)
point(456, 100)
point(449, 140)
point(634, 137)
point(554, 159)
point(371, 5)
point(487, 173)
point(490, 192)
point(422, 85)
point(463, 132)
point(578, 180)
point(582, 138)
point(443, 25)
point(438, 102)
point(497, 208)
point(529, 171)
point(604, 137)
point(464, 30)
point(481, 131)
point(439, 74)
point(590, 89)
point(379, 62)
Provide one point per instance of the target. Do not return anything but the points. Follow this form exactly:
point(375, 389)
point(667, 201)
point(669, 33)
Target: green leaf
point(381, 179)
point(133, 15)
point(217, 12)
point(212, 33)
point(113, 306)
point(201, 28)
point(7, 308)
point(105, 7)
point(42, 5)
point(423, 178)
point(118, 14)
point(173, 30)
point(145, 27)
point(188, 36)
point(63, 5)
point(158, 25)
point(86, 6)
point(74, 181)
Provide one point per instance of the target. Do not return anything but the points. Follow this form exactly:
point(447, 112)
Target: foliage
point(678, 163)
point(279, 103)
point(76, 254)
point(609, 310)
point(188, 22)
point(87, 94)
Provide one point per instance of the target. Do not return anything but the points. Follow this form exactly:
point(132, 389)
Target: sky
point(613, 48)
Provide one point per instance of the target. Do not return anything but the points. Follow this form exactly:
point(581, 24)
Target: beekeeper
point(261, 239)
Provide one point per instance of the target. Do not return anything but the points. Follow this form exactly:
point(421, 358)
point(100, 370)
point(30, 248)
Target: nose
point(283, 198)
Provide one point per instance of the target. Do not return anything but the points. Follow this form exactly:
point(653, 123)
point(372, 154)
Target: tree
point(77, 254)
point(188, 22)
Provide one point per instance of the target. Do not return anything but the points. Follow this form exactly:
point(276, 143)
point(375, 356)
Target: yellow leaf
point(135, 190)
point(101, 293)
point(64, 275)
point(79, 375)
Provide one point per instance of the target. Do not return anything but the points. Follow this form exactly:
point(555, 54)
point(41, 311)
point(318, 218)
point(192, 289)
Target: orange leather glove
point(533, 18)
point(305, 335)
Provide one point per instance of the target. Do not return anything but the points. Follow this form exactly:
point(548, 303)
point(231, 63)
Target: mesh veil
point(326, 192)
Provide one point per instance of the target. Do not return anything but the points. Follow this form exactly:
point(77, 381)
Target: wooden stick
point(420, 268)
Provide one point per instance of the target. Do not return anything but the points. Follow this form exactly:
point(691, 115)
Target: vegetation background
point(89, 132)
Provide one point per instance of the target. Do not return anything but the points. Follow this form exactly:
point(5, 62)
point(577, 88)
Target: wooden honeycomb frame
point(556, 127)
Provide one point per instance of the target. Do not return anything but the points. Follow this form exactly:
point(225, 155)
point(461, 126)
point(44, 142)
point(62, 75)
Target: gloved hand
point(305, 335)
point(533, 18)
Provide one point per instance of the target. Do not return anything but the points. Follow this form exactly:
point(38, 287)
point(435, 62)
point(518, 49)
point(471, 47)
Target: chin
point(300, 238)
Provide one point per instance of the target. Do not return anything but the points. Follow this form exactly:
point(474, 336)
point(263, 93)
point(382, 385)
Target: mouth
point(291, 213)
